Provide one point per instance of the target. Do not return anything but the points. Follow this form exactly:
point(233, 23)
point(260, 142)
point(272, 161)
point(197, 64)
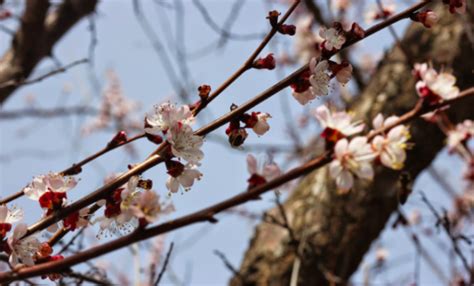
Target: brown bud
point(204, 91)
point(157, 139)
point(119, 138)
point(237, 137)
point(273, 17)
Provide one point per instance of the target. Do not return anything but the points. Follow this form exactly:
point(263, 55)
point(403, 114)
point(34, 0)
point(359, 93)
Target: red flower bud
point(356, 32)
point(119, 138)
point(273, 17)
point(237, 137)
point(267, 62)
point(204, 91)
point(287, 29)
point(157, 139)
point(255, 180)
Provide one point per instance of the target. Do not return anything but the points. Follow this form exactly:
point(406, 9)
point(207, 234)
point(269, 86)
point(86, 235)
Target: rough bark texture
point(36, 37)
point(337, 230)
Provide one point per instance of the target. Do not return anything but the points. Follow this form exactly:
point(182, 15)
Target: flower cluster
point(314, 82)
point(434, 87)
point(133, 204)
point(257, 121)
point(355, 157)
point(50, 190)
point(20, 251)
point(175, 123)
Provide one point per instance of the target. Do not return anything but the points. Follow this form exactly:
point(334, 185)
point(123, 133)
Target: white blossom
point(51, 182)
point(185, 179)
point(184, 144)
point(147, 206)
point(461, 132)
point(440, 85)
point(391, 147)
point(319, 78)
point(167, 115)
point(354, 158)
point(261, 126)
point(22, 249)
point(340, 121)
point(333, 39)
point(10, 216)
point(304, 97)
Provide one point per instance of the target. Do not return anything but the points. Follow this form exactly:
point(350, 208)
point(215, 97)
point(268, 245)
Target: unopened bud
point(237, 137)
point(287, 29)
point(428, 18)
point(204, 91)
point(273, 17)
point(267, 62)
point(119, 138)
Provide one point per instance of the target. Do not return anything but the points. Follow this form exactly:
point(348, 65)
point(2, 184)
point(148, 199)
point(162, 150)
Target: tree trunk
point(335, 231)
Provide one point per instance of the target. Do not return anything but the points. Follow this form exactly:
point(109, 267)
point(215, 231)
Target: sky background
point(30, 147)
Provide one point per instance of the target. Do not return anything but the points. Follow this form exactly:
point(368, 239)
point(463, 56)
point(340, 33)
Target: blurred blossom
point(115, 109)
point(306, 42)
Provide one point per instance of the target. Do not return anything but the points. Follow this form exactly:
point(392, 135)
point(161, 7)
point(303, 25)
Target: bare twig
point(445, 223)
point(63, 69)
point(165, 264)
point(228, 265)
point(47, 113)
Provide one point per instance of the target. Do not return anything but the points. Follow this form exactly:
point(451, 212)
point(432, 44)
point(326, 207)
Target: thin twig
point(228, 265)
point(165, 264)
point(44, 76)
point(444, 222)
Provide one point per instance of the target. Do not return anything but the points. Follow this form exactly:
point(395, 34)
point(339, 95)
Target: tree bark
point(333, 230)
point(36, 37)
